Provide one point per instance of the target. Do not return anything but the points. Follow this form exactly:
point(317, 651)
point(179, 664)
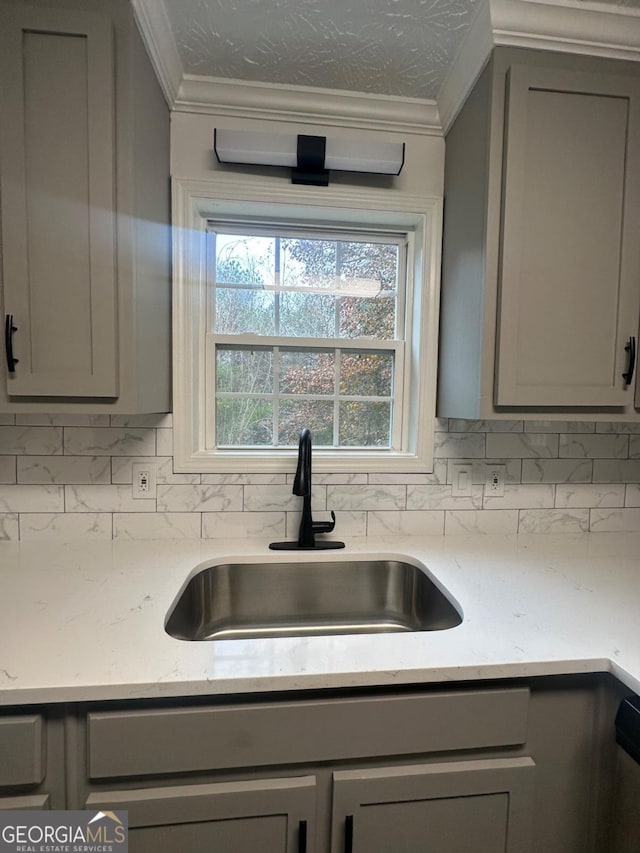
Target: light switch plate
point(461, 480)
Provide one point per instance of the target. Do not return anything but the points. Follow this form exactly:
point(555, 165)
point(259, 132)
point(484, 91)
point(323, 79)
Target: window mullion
point(336, 401)
point(276, 396)
point(277, 280)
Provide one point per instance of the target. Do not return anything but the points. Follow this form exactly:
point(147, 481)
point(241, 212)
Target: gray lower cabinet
point(84, 217)
point(301, 775)
point(275, 815)
point(541, 261)
point(32, 761)
point(516, 768)
point(484, 806)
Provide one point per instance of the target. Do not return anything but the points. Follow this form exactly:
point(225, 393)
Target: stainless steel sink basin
point(251, 600)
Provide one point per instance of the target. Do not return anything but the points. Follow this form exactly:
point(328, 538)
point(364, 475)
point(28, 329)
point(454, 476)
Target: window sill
point(276, 461)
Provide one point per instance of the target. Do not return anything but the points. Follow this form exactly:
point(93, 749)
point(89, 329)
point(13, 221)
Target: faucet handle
point(325, 526)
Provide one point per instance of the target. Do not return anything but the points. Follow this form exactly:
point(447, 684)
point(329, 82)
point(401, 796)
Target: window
point(307, 330)
point(292, 314)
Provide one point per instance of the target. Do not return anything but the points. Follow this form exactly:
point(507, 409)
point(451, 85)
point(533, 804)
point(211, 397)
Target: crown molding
point(469, 62)
point(306, 104)
point(568, 27)
point(153, 23)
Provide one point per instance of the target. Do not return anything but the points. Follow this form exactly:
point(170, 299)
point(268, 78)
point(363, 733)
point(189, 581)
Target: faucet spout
point(302, 488)
point(302, 480)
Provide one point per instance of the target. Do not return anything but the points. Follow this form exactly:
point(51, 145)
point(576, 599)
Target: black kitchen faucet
point(302, 488)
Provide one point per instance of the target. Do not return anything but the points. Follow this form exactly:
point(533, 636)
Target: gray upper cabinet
point(58, 223)
point(84, 179)
point(541, 261)
point(570, 277)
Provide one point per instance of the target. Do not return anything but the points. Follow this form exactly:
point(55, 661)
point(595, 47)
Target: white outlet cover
point(494, 481)
point(138, 470)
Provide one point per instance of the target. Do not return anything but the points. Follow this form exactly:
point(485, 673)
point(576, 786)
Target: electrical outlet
point(143, 480)
point(494, 481)
point(461, 480)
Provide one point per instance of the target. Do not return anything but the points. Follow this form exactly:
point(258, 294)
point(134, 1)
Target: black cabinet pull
point(631, 363)
point(302, 837)
point(348, 834)
point(9, 329)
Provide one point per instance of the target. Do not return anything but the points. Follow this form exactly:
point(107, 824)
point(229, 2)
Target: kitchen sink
point(309, 598)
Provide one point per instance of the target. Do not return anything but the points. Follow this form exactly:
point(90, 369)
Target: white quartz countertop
point(85, 621)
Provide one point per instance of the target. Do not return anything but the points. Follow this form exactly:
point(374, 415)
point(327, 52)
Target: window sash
point(338, 345)
point(249, 229)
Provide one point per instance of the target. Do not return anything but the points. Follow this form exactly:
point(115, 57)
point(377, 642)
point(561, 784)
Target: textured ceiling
point(389, 47)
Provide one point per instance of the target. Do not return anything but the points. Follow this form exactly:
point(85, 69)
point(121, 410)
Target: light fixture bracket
point(311, 152)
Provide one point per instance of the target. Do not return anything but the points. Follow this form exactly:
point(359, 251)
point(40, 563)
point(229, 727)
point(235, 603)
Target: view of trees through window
point(326, 310)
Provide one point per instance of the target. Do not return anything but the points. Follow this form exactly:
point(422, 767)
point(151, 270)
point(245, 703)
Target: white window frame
point(195, 202)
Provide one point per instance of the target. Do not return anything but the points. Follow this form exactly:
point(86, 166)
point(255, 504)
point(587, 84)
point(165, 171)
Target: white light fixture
point(310, 157)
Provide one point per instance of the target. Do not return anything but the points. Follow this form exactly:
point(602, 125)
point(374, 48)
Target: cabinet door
point(570, 261)
point(23, 749)
point(57, 182)
point(235, 817)
point(484, 806)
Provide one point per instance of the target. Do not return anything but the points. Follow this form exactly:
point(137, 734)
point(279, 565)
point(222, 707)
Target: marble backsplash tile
point(237, 525)
point(601, 446)
point(498, 521)
point(159, 525)
point(367, 497)
point(441, 497)
point(535, 445)
point(554, 521)
point(70, 476)
point(111, 498)
point(63, 469)
point(557, 470)
point(109, 441)
point(589, 495)
point(7, 469)
point(198, 498)
point(23, 440)
point(65, 525)
point(19, 498)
